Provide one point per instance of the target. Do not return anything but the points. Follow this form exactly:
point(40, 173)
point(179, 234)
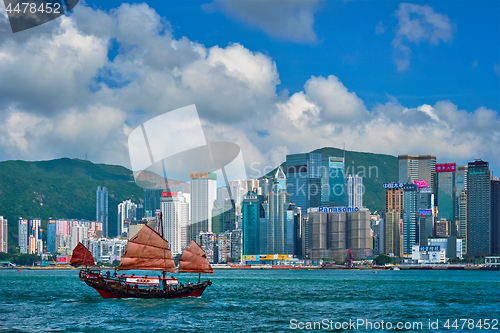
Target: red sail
point(147, 250)
point(194, 260)
point(82, 256)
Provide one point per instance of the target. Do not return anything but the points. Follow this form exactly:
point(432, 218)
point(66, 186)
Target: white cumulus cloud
point(416, 24)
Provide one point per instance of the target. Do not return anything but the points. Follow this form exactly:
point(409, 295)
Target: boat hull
point(112, 289)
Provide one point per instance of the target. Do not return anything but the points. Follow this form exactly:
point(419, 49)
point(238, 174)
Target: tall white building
point(175, 212)
point(354, 191)
point(3, 234)
point(126, 210)
point(203, 196)
point(78, 234)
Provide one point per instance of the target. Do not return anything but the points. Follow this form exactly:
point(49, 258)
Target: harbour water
point(257, 301)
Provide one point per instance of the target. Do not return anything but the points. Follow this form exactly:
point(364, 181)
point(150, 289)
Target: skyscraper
point(175, 212)
point(478, 209)
point(34, 226)
point(51, 236)
point(417, 167)
point(3, 235)
point(332, 181)
point(252, 213)
point(394, 199)
point(126, 210)
point(354, 191)
point(446, 194)
point(278, 201)
point(392, 234)
point(495, 216)
point(102, 209)
point(460, 184)
point(303, 180)
point(152, 201)
point(410, 215)
point(425, 207)
point(462, 219)
point(203, 196)
point(223, 216)
point(23, 235)
point(292, 230)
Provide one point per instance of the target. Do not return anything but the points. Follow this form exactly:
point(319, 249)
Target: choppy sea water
point(258, 301)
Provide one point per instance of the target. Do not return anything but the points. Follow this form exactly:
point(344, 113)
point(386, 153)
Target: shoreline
point(313, 268)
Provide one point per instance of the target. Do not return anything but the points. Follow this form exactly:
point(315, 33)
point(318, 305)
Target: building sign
point(425, 190)
point(337, 209)
point(421, 183)
point(144, 281)
point(393, 185)
point(63, 260)
point(336, 159)
point(425, 212)
point(430, 248)
point(409, 187)
point(250, 197)
point(168, 194)
point(446, 167)
point(209, 175)
point(250, 258)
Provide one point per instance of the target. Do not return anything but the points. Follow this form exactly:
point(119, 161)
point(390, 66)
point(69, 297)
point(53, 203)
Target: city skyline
point(410, 78)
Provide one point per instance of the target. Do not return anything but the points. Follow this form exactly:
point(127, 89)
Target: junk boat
point(147, 250)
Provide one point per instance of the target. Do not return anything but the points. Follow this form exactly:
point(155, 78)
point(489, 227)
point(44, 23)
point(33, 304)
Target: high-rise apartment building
point(102, 209)
point(203, 196)
point(478, 209)
point(3, 235)
point(354, 191)
point(23, 235)
point(34, 226)
point(303, 180)
point(126, 211)
point(78, 234)
point(417, 168)
point(332, 181)
point(175, 213)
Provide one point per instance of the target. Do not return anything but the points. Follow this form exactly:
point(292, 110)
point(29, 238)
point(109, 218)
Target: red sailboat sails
point(194, 260)
point(149, 251)
point(82, 256)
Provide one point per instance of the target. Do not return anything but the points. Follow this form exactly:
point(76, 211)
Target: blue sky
point(347, 46)
point(275, 77)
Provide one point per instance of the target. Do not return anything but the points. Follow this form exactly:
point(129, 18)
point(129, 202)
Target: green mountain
point(62, 188)
point(375, 169)
point(66, 188)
